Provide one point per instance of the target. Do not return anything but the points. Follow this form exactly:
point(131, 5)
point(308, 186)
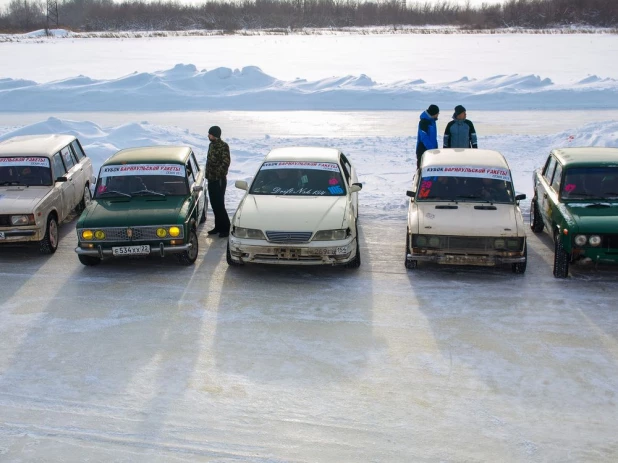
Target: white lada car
point(301, 208)
point(42, 179)
point(464, 210)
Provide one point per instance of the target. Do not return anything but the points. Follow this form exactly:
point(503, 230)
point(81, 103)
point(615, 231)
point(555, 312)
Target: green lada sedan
point(576, 201)
point(147, 201)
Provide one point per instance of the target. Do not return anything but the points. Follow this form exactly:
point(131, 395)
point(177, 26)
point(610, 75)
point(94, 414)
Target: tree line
point(236, 15)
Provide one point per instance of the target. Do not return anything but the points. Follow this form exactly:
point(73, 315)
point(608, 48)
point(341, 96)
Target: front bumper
point(466, 258)
point(158, 249)
point(21, 234)
point(313, 253)
point(600, 255)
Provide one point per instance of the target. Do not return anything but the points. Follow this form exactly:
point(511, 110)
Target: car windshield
point(142, 180)
point(487, 187)
point(584, 183)
point(25, 171)
point(298, 178)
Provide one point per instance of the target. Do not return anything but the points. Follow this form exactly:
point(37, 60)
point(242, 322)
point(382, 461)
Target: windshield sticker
point(467, 171)
point(335, 190)
point(329, 166)
point(143, 169)
point(24, 161)
point(297, 191)
point(570, 187)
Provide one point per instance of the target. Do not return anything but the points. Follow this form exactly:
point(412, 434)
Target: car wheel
point(356, 262)
point(536, 221)
point(409, 263)
point(86, 199)
point(89, 261)
point(228, 257)
point(189, 256)
point(203, 216)
point(49, 243)
point(561, 259)
point(520, 267)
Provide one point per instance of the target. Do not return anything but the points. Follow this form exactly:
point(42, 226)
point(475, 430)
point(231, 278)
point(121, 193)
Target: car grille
point(609, 241)
point(466, 243)
point(5, 220)
point(288, 237)
point(148, 233)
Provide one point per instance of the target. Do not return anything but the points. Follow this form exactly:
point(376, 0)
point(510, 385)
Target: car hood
point(594, 219)
point(15, 200)
point(291, 213)
point(134, 212)
point(469, 219)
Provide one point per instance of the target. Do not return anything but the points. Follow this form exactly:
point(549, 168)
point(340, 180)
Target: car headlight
point(99, 234)
point(499, 244)
point(248, 233)
point(580, 240)
point(594, 240)
point(331, 235)
point(87, 234)
point(421, 240)
point(161, 232)
point(515, 244)
point(24, 219)
point(174, 231)
point(434, 242)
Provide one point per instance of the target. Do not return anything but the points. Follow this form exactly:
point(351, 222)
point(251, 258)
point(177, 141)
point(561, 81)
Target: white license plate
point(2, 236)
point(141, 250)
point(341, 250)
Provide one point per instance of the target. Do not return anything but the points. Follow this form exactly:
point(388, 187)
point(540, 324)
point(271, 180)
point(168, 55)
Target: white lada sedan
point(301, 208)
point(464, 210)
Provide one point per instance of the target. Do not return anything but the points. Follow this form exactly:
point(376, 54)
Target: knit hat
point(433, 110)
point(458, 110)
point(215, 131)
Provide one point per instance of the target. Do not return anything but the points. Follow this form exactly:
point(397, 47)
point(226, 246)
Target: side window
point(557, 177)
point(345, 164)
point(548, 172)
point(57, 166)
point(67, 158)
point(194, 165)
point(77, 150)
point(190, 173)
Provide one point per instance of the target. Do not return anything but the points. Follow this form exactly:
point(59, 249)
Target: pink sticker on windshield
point(570, 187)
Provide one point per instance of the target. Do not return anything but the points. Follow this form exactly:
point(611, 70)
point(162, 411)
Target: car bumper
point(597, 255)
point(466, 258)
point(20, 235)
point(155, 249)
point(315, 253)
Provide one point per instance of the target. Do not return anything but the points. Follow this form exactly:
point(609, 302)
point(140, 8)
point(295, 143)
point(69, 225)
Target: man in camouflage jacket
point(217, 164)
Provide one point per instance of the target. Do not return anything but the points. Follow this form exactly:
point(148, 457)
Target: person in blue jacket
point(427, 138)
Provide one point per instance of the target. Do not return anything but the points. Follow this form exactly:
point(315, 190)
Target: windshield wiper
point(599, 205)
point(13, 182)
point(475, 197)
point(147, 192)
point(115, 192)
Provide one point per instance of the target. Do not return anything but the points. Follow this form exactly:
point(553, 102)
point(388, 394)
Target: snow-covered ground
point(142, 360)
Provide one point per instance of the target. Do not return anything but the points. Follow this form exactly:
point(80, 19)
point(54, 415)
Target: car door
point(200, 180)
point(84, 164)
point(73, 175)
point(350, 178)
point(544, 188)
point(64, 187)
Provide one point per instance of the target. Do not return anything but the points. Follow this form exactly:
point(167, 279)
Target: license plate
point(2, 236)
point(141, 250)
point(341, 250)
point(285, 253)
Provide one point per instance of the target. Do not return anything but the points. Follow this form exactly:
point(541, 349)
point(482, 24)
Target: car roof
point(303, 153)
point(34, 145)
point(463, 157)
point(154, 154)
point(586, 156)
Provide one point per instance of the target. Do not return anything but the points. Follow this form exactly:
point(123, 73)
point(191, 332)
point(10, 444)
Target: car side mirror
point(411, 194)
point(520, 197)
point(356, 187)
point(62, 179)
point(241, 185)
point(197, 188)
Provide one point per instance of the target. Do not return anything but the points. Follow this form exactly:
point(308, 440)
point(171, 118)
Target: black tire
point(356, 262)
point(89, 261)
point(49, 243)
point(228, 258)
point(410, 264)
point(203, 216)
point(190, 256)
point(86, 199)
point(536, 221)
point(520, 268)
point(561, 259)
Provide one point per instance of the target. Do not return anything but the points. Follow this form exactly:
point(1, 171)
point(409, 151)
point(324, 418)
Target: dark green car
point(576, 201)
point(147, 201)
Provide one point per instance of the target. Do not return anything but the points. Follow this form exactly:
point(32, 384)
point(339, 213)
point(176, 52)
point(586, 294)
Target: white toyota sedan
point(301, 208)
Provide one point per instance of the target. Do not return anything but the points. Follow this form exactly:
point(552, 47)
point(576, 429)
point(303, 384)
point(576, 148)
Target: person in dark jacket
point(217, 164)
point(460, 132)
point(427, 137)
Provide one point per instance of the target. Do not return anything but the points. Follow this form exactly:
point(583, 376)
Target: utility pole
point(52, 15)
